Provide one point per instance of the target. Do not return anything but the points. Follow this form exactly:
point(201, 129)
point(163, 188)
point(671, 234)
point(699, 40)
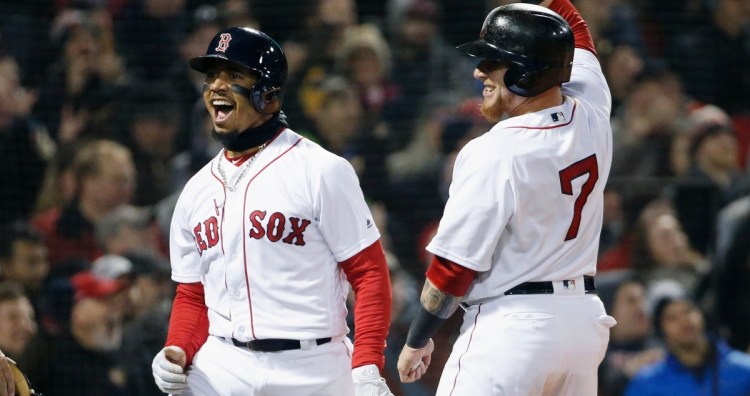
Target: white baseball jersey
point(267, 253)
point(525, 202)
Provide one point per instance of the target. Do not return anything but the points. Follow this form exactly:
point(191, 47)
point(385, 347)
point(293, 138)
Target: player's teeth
point(221, 103)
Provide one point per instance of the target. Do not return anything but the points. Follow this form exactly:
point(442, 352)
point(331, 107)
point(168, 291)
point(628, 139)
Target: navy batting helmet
point(252, 50)
point(537, 42)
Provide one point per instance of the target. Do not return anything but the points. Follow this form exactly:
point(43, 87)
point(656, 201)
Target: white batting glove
point(368, 382)
point(170, 377)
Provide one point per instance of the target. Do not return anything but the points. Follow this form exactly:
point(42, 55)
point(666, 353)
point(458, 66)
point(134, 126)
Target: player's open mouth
point(222, 109)
point(488, 90)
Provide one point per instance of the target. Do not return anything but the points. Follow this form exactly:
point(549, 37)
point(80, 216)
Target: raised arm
point(587, 79)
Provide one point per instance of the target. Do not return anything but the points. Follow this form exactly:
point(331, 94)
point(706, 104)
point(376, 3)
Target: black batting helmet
point(252, 50)
point(537, 42)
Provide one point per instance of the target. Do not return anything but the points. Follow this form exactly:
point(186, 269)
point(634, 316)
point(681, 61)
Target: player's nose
point(220, 83)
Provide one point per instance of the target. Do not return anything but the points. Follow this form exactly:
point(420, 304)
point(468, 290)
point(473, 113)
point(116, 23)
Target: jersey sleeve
point(183, 253)
point(473, 219)
point(339, 204)
point(587, 81)
point(367, 271)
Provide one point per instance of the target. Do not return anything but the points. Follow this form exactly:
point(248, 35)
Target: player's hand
point(413, 363)
point(7, 382)
point(368, 382)
point(168, 369)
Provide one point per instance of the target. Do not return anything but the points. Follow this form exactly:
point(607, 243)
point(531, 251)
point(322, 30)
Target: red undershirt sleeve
point(580, 30)
point(188, 325)
point(450, 277)
point(367, 272)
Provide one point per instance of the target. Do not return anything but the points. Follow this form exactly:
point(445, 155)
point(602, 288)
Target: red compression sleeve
point(368, 274)
point(450, 277)
point(188, 325)
point(580, 30)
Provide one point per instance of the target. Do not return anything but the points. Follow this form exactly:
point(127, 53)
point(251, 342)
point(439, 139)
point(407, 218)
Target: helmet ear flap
point(524, 81)
point(267, 102)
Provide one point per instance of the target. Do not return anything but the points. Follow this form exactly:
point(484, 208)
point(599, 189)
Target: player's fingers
point(171, 378)
point(171, 387)
point(168, 367)
point(6, 378)
point(413, 375)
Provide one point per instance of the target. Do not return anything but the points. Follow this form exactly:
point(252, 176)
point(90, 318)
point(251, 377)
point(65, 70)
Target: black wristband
point(424, 326)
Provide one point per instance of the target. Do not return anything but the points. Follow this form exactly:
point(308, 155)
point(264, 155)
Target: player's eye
point(488, 66)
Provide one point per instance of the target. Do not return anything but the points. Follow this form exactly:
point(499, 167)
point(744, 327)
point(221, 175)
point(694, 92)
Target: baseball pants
point(542, 344)
point(222, 369)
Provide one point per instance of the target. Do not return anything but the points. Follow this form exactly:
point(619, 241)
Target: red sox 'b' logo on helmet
point(224, 40)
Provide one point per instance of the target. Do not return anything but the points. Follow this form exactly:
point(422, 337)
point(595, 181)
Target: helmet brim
point(202, 63)
point(484, 50)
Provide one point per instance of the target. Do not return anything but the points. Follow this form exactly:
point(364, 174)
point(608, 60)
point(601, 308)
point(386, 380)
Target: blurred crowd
point(101, 124)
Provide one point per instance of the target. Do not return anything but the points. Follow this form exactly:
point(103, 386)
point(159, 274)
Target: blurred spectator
point(130, 229)
point(82, 359)
point(24, 259)
point(17, 320)
point(150, 132)
point(112, 266)
point(58, 186)
point(237, 13)
point(82, 87)
point(338, 125)
point(365, 59)
point(424, 65)
point(151, 295)
point(105, 177)
point(712, 177)
point(696, 363)
point(310, 50)
point(149, 33)
point(622, 66)
point(712, 56)
point(657, 249)
point(202, 148)
point(186, 84)
point(25, 146)
point(662, 250)
point(645, 124)
point(631, 343)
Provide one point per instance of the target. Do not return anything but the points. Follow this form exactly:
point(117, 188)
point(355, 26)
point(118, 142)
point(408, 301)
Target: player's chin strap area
point(254, 137)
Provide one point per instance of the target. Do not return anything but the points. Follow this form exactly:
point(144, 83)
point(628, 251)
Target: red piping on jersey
point(476, 318)
point(244, 231)
point(572, 114)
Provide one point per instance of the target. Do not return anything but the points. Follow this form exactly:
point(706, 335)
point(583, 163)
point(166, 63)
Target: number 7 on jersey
point(585, 166)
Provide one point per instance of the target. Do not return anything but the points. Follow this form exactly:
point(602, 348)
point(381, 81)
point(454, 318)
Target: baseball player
point(265, 242)
point(517, 244)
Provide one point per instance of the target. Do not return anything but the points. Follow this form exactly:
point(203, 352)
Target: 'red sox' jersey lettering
point(274, 228)
point(206, 234)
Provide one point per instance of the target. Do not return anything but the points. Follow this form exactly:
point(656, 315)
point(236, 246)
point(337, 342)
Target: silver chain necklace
point(245, 168)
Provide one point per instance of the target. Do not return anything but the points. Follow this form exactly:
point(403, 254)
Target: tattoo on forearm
point(437, 302)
